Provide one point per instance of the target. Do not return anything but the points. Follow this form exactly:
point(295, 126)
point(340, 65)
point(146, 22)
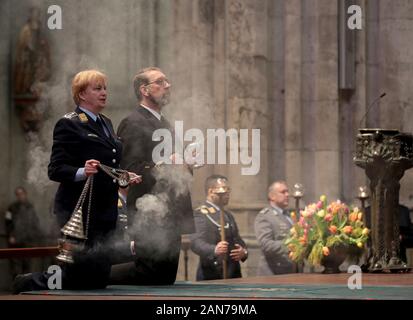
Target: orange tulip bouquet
point(320, 228)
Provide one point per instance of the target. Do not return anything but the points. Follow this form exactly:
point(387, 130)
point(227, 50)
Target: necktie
point(286, 214)
point(100, 124)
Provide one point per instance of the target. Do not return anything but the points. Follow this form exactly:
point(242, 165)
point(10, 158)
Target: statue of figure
point(31, 71)
point(32, 57)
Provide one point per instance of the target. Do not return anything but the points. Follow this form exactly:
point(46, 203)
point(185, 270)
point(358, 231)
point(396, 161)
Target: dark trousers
point(151, 266)
point(90, 271)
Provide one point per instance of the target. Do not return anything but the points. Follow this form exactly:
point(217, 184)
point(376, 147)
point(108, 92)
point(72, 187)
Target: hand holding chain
point(121, 176)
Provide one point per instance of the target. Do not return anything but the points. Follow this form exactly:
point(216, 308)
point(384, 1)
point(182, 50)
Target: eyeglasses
point(160, 82)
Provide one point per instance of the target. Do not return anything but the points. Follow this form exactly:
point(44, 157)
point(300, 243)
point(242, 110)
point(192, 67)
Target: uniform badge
point(70, 115)
point(212, 210)
point(83, 117)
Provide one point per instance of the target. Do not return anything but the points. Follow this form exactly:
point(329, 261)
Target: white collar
point(155, 113)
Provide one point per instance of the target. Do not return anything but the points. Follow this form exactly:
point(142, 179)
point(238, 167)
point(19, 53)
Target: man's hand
point(221, 248)
point(238, 253)
point(134, 178)
point(91, 167)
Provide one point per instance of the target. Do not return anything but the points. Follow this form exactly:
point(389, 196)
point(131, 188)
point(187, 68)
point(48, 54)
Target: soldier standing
point(208, 242)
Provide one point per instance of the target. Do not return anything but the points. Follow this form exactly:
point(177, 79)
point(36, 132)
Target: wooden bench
point(21, 253)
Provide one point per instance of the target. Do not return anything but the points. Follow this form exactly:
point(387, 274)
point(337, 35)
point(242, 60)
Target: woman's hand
point(91, 167)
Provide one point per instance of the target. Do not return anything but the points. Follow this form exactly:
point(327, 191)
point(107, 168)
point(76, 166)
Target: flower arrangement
point(321, 227)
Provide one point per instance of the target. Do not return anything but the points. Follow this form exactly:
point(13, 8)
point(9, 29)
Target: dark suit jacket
point(74, 142)
point(135, 131)
point(205, 239)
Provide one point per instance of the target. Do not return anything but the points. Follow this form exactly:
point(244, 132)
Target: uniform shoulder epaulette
point(71, 115)
point(83, 117)
point(206, 210)
point(265, 210)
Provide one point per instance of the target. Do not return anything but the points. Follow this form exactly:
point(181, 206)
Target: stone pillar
point(352, 107)
point(212, 51)
point(187, 32)
point(247, 107)
point(319, 115)
point(292, 91)
point(396, 65)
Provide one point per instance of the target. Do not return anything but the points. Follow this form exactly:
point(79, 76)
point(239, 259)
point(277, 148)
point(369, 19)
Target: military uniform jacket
point(135, 132)
point(208, 234)
point(77, 138)
point(271, 229)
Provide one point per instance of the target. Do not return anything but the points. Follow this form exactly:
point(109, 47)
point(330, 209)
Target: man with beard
point(164, 204)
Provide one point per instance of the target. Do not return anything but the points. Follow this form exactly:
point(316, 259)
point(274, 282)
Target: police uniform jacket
point(77, 138)
point(204, 241)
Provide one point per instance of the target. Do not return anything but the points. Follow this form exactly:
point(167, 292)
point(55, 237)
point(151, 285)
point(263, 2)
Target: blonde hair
point(83, 79)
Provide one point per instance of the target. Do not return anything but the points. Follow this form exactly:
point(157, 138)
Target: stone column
point(319, 108)
point(247, 71)
point(352, 107)
point(291, 91)
point(396, 62)
point(187, 36)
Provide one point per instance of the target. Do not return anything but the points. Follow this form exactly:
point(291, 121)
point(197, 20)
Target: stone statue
point(32, 56)
point(31, 70)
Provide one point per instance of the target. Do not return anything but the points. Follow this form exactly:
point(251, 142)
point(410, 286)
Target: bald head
point(278, 194)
